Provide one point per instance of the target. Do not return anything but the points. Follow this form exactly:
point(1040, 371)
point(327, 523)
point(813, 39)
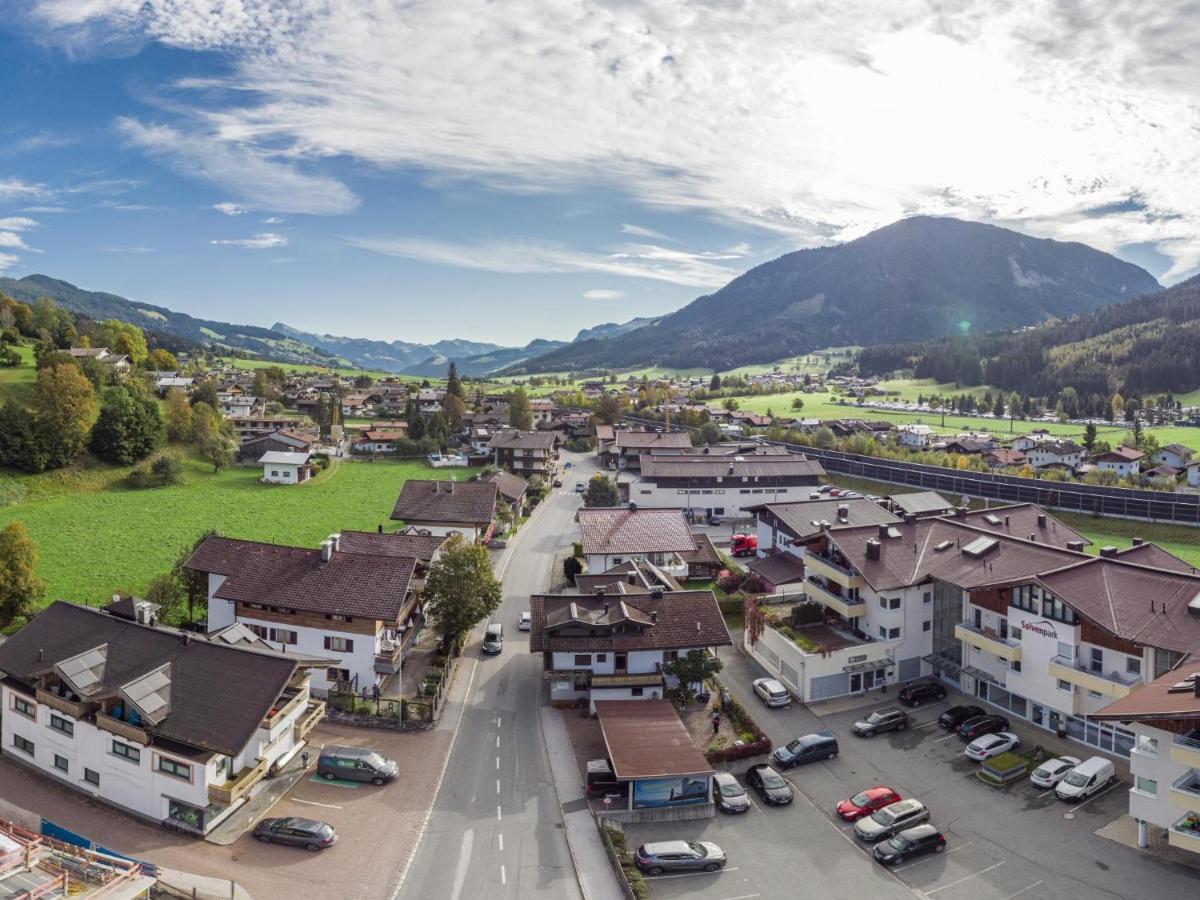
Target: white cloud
point(701, 270)
point(639, 231)
point(230, 209)
point(15, 187)
point(603, 294)
point(263, 241)
point(12, 241)
point(274, 220)
point(817, 120)
point(44, 209)
point(7, 261)
point(17, 223)
point(133, 249)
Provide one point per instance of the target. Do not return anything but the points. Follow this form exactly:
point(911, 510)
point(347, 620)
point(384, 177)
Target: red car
point(868, 802)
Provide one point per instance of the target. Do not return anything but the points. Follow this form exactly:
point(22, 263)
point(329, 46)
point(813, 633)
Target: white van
point(1085, 779)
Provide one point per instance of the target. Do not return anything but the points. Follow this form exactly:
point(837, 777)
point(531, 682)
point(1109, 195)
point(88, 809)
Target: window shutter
point(349, 645)
point(327, 639)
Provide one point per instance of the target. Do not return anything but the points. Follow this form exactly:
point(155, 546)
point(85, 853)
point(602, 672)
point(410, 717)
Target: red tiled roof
point(618, 530)
point(645, 739)
point(1156, 700)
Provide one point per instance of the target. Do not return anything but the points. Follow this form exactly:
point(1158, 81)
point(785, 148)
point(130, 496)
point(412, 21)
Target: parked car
point(493, 639)
point(602, 782)
point(1085, 779)
point(867, 802)
point(917, 692)
point(579, 487)
point(771, 786)
point(909, 843)
point(891, 820)
point(1052, 771)
point(825, 488)
point(558, 482)
point(890, 719)
point(981, 725)
point(991, 745)
point(678, 856)
point(356, 764)
point(729, 795)
point(525, 622)
point(953, 718)
point(307, 833)
point(771, 692)
point(810, 748)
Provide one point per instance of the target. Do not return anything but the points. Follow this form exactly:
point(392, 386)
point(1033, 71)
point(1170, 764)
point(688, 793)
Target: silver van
point(356, 764)
point(493, 639)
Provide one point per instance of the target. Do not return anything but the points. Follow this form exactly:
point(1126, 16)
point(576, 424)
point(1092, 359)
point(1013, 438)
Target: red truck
point(744, 545)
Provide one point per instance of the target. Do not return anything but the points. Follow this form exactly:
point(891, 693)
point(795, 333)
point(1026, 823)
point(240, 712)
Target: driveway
point(1002, 844)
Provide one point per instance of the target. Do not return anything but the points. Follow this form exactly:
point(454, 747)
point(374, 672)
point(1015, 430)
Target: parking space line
point(946, 738)
point(965, 878)
point(933, 857)
point(1022, 890)
point(926, 724)
point(1046, 793)
point(1094, 796)
point(691, 874)
point(315, 803)
point(742, 897)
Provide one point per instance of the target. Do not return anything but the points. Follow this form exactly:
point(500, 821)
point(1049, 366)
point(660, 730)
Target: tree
point(730, 404)
point(715, 383)
point(178, 415)
point(520, 413)
point(692, 671)
point(1089, 437)
point(206, 392)
point(213, 436)
point(416, 427)
point(709, 433)
point(129, 427)
point(163, 360)
point(20, 588)
point(1116, 408)
point(454, 386)
point(460, 589)
point(124, 338)
point(797, 403)
point(610, 409)
point(64, 408)
point(572, 567)
point(601, 492)
point(453, 407)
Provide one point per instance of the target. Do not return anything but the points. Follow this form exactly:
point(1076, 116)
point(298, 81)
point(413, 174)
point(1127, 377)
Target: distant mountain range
point(917, 278)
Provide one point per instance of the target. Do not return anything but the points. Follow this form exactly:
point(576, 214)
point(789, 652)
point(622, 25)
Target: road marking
point(497, 785)
point(1094, 796)
point(500, 838)
point(692, 874)
point(742, 897)
point(497, 764)
point(503, 876)
point(315, 803)
point(926, 724)
point(1022, 890)
point(499, 815)
point(1046, 793)
point(946, 738)
point(464, 860)
point(497, 742)
point(932, 856)
point(966, 878)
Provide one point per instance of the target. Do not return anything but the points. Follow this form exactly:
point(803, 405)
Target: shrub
point(161, 471)
point(752, 584)
point(730, 581)
point(810, 613)
point(572, 567)
point(731, 606)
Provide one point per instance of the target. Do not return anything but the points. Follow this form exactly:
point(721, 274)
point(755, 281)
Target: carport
point(652, 751)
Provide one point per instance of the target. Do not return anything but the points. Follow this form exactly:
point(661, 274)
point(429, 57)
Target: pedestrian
point(716, 720)
point(304, 759)
point(375, 692)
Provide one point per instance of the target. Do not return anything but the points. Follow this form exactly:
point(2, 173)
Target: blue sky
point(507, 171)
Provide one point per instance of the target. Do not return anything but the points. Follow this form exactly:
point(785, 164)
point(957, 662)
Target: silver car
point(676, 856)
point(771, 692)
point(891, 820)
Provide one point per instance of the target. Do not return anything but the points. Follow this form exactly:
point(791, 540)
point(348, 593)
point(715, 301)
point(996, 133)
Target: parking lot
point(1001, 843)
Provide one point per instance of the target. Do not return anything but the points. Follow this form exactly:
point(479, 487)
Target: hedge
point(742, 723)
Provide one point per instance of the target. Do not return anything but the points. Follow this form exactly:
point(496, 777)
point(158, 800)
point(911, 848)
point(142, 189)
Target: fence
point(1100, 500)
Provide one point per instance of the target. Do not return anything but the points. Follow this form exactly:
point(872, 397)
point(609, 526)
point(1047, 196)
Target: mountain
point(613, 329)
point(917, 278)
point(482, 363)
point(1147, 345)
point(99, 306)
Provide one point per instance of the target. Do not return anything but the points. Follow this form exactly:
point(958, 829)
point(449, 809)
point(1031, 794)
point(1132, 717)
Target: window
point(644, 492)
point(24, 707)
point(927, 597)
point(601, 657)
point(176, 769)
point(636, 692)
point(339, 644)
point(1146, 744)
point(1146, 785)
point(894, 603)
point(61, 763)
point(1096, 694)
point(1015, 665)
point(882, 633)
point(58, 723)
point(926, 625)
point(1064, 685)
point(1014, 634)
point(222, 767)
point(283, 635)
point(1133, 665)
point(255, 605)
point(92, 777)
point(1066, 651)
point(335, 674)
point(978, 618)
point(260, 630)
point(133, 754)
point(1097, 659)
point(338, 617)
point(1002, 628)
point(883, 602)
point(893, 634)
point(22, 744)
point(583, 659)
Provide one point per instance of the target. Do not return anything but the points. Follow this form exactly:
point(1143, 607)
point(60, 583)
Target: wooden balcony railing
point(308, 721)
point(72, 708)
point(122, 729)
point(233, 790)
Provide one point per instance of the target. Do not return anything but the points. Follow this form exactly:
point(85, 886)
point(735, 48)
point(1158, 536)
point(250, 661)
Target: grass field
point(95, 535)
point(345, 373)
point(17, 381)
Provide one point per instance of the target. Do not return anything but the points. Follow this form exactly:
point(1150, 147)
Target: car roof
point(660, 847)
point(918, 831)
point(878, 791)
point(904, 805)
point(349, 752)
point(769, 682)
point(888, 711)
point(304, 824)
point(1092, 764)
point(724, 777)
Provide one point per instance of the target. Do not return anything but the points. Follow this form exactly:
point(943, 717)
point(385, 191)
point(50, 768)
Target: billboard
point(677, 791)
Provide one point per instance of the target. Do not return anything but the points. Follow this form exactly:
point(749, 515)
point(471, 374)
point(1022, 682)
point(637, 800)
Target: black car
point(771, 786)
point(731, 797)
point(953, 718)
point(307, 833)
point(981, 725)
point(881, 720)
point(910, 843)
point(919, 692)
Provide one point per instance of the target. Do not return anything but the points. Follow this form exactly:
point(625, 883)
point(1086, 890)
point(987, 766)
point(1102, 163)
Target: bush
point(162, 470)
point(730, 581)
point(320, 461)
point(580, 445)
point(810, 613)
point(731, 606)
point(572, 567)
point(577, 549)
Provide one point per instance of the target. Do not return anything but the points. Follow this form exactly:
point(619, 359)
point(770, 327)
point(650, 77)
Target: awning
point(864, 666)
point(619, 681)
point(979, 674)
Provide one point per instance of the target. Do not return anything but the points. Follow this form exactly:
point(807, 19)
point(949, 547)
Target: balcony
point(988, 641)
point(1185, 791)
point(1185, 833)
point(279, 713)
point(235, 789)
point(387, 660)
point(1185, 749)
point(122, 729)
point(843, 606)
point(71, 708)
point(308, 721)
point(833, 571)
point(1110, 684)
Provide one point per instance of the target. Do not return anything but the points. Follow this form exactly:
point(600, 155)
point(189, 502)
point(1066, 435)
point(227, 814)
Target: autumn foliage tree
point(20, 589)
point(460, 589)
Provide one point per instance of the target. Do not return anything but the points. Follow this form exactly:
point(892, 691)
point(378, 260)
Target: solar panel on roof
point(981, 546)
point(86, 670)
point(151, 694)
point(943, 546)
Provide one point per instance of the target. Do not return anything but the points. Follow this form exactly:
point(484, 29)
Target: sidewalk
point(596, 877)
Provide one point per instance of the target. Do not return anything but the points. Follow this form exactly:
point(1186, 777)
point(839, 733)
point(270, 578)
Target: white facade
point(730, 500)
point(355, 653)
point(1123, 468)
point(915, 435)
point(281, 473)
point(671, 563)
point(1043, 455)
point(564, 686)
point(856, 669)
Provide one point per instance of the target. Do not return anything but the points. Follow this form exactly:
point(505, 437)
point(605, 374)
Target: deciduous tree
point(460, 589)
point(178, 415)
point(129, 427)
point(20, 588)
point(520, 413)
point(601, 492)
point(64, 407)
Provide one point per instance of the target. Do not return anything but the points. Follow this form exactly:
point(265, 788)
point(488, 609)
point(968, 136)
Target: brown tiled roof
point(679, 613)
point(616, 530)
point(512, 487)
point(782, 568)
point(382, 436)
point(612, 584)
point(605, 433)
point(1120, 454)
point(645, 738)
point(589, 611)
point(218, 694)
point(705, 552)
point(1156, 700)
point(1156, 557)
point(413, 546)
point(1006, 456)
point(748, 466)
point(1021, 520)
point(450, 503)
point(803, 517)
point(641, 440)
point(523, 440)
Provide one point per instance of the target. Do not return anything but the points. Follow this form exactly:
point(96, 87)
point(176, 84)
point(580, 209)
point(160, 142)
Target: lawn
point(95, 535)
point(17, 381)
point(346, 373)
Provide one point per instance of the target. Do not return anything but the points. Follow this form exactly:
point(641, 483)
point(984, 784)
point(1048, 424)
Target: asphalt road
point(1019, 842)
point(496, 828)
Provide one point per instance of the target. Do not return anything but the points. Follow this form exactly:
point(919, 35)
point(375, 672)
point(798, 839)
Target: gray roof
point(922, 502)
point(772, 466)
point(278, 457)
point(804, 517)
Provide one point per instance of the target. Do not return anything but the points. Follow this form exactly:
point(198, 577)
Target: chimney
point(1137, 542)
point(1006, 521)
point(843, 512)
point(960, 512)
point(883, 530)
point(1108, 552)
point(1032, 536)
point(873, 549)
point(656, 594)
point(909, 518)
point(336, 540)
point(41, 654)
point(698, 628)
point(824, 524)
point(606, 606)
point(654, 615)
point(1077, 546)
point(326, 551)
point(1041, 520)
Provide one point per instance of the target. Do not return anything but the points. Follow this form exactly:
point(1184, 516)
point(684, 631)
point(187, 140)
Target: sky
point(502, 171)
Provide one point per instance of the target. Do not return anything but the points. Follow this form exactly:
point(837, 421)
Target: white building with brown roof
point(722, 485)
point(448, 507)
point(612, 536)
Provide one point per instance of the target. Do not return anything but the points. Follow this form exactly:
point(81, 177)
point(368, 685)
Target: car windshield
point(860, 799)
point(875, 718)
point(898, 843)
point(731, 789)
point(884, 817)
point(375, 761)
point(795, 746)
point(1043, 772)
point(772, 779)
point(1076, 779)
point(698, 849)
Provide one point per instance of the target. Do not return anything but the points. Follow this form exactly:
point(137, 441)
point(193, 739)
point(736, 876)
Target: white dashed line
point(497, 764)
point(497, 785)
point(500, 839)
point(742, 897)
point(1022, 890)
point(497, 742)
point(499, 815)
point(503, 875)
point(966, 878)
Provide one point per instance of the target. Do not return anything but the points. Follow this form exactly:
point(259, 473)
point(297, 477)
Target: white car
point(991, 745)
point(526, 621)
point(771, 692)
point(1052, 771)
